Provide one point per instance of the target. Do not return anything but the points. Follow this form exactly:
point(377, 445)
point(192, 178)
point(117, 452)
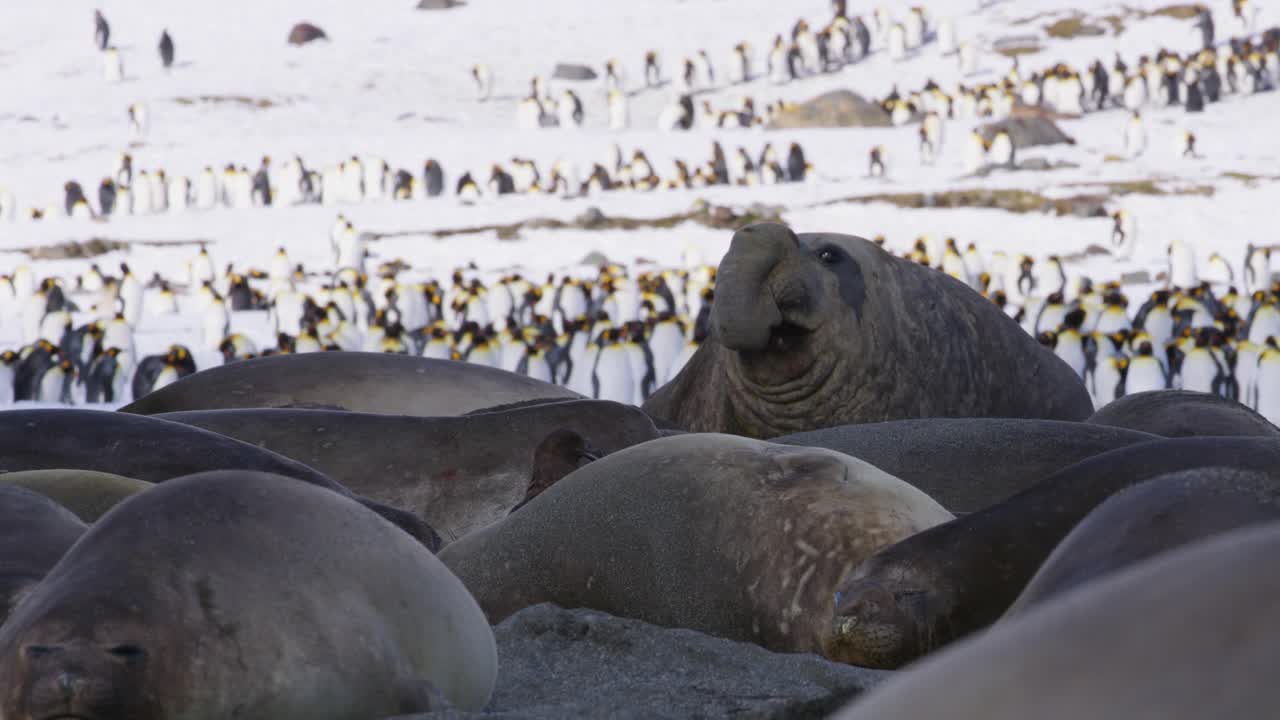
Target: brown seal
point(733, 537)
point(86, 493)
point(243, 594)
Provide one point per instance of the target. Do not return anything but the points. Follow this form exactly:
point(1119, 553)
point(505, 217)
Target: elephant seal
point(35, 532)
point(967, 464)
point(942, 584)
point(458, 473)
point(1184, 636)
point(86, 493)
point(729, 536)
point(1182, 413)
point(1148, 519)
point(244, 594)
point(818, 329)
point(355, 381)
point(154, 450)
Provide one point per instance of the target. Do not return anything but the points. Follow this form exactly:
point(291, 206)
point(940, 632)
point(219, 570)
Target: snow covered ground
point(394, 82)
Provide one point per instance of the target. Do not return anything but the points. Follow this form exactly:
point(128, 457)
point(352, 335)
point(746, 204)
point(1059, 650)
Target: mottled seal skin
point(243, 594)
point(458, 473)
point(86, 493)
point(154, 450)
point(818, 329)
point(35, 532)
point(1149, 519)
point(1182, 413)
point(1184, 636)
point(355, 381)
point(942, 584)
point(729, 536)
point(967, 464)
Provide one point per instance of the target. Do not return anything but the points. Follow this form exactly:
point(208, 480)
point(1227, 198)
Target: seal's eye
point(128, 652)
point(829, 256)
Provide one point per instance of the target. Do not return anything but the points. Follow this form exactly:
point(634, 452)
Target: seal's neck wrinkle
point(767, 409)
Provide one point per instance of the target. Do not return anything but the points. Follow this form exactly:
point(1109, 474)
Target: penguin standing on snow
point(876, 162)
point(105, 378)
point(484, 81)
point(1135, 136)
point(619, 116)
point(468, 191)
point(570, 110)
point(261, 189)
point(73, 196)
point(797, 168)
point(166, 49)
point(1124, 232)
point(652, 71)
point(611, 375)
point(101, 30)
point(106, 197)
point(1187, 145)
point(432, 178)
point(1266, 393)
point(112, 65)
point(138, 119)
point(1145, 372)
point(157, 371)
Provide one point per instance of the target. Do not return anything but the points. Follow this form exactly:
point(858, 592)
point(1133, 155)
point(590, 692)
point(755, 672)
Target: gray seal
point(1148, 519)
point(968, 464)
point(86, 493)
point(243, 594)
point(1182, 413)
point(942, 584)
point(818, 329)
point(729, 536)
point(459, 473)
point(1184, 636)
point(35, 532)
point(355, 381)
point(154, 450)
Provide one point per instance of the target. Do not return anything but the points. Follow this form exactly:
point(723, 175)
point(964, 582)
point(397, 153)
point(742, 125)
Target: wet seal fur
point(942, 584)
point(242, 594)
point(967, 464)
point(729, 536)
point(86, 493)
point(458, 473)
point(154, 450)
point(355, 381)
point(1184, 636)
point(819, 329)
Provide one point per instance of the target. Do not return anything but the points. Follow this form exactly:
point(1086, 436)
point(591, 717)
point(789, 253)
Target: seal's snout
point(868, 629)
point(79, 680)
point(71, 684)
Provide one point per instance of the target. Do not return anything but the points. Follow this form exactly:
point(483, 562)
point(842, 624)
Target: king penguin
point(166, 49)
point(101, 31)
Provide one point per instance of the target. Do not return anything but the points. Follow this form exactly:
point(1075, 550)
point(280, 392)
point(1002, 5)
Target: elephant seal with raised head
point(1148, 519)
point(1188, 635)
point(819, 329)
point(458, 473)
point(86, 493)
point(355, 381)
point(938, 586)
point(1183, 413)
point(154, 450)
point(35, 532)
point(243, 594)
point(967, 464)
point(726, 535)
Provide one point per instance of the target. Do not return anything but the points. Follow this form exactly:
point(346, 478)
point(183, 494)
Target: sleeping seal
point(815, 330)
point(1183, 413)
point(356, 381)
point(967, 464)
point(944, 583)
point(86, 493)
point(35, 532)
point(1184, 636)
point(725, 535)
point(244, 594)
point(1148, 519)
point(154, 450)
point(459, 473)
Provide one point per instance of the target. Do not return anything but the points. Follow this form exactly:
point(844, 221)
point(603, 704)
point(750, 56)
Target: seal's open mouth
point(786, 337)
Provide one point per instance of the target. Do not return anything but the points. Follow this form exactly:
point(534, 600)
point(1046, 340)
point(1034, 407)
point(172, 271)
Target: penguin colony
point(619, 334)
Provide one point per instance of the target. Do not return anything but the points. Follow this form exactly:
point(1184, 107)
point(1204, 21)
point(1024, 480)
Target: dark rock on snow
point(303, 33)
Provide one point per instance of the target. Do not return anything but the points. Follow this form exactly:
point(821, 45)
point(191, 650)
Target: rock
point(303, 33)
point(557, 663)
point(838, 108)
point(1028, 127)
point(592, 217)
point(438, 4)
point(572, 71)
point(1137, 277)
point(594, 258)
